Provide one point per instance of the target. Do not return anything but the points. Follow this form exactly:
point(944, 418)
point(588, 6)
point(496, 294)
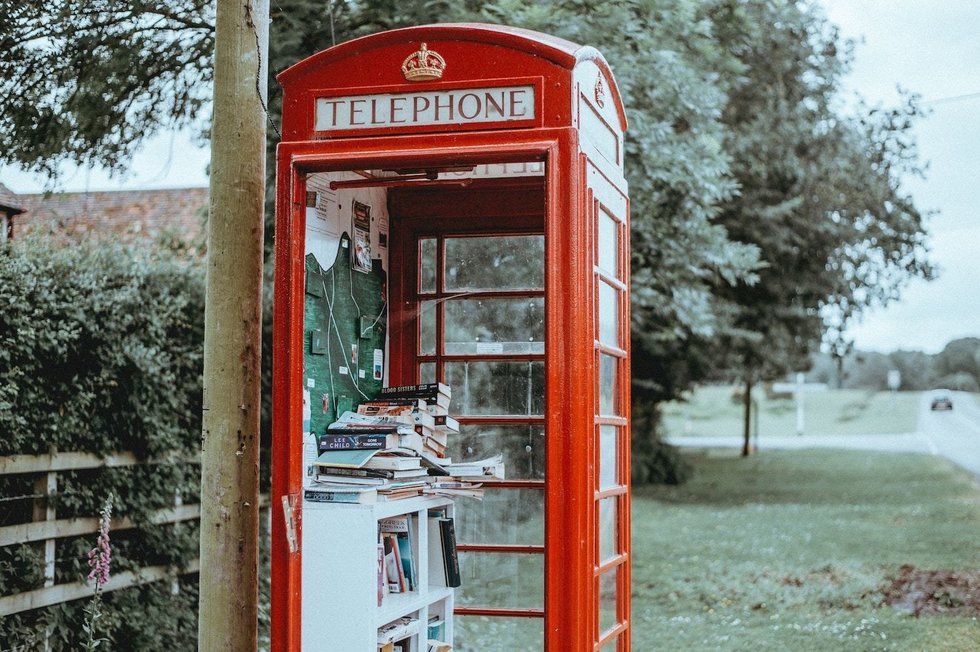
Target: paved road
point(954, 434)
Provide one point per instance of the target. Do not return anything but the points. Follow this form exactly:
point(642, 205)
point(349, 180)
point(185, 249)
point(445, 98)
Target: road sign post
point(798, 389)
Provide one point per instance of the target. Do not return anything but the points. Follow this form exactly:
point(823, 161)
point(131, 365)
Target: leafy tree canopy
point(760, 211)
point(87, 81)
point(819, 190)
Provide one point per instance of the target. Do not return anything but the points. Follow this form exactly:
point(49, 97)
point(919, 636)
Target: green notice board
point(344, 320)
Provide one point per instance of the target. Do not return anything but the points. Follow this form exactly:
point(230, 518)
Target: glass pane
point(495, 263)
point(521, 446)
point(608, 457)
point(511, 516)
point(427, 265)
point(427, 327)
point(608, 243)
point(492, 634)
point(607, 600)
point(489, 326)
point(502, 580)
point(427, 372)
point(607, 384)
point(608, 527)
point(496, 387)
point(608, 314)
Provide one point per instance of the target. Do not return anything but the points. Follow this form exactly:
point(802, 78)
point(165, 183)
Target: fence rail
point(45, 528)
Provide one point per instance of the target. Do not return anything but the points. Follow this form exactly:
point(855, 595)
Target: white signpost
point(798, 389)
point(894, 380)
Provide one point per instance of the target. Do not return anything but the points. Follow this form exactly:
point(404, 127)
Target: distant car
point(941, 402)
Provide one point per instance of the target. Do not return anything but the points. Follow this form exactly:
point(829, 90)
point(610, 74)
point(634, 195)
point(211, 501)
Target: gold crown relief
point(424, 64)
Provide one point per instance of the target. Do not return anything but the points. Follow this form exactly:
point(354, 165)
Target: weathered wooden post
point(233, 331)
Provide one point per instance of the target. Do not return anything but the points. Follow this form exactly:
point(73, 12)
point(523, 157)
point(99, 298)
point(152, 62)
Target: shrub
point(101, 351)
point(654, 461)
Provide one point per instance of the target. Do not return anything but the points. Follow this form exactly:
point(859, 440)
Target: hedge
point(101, 351)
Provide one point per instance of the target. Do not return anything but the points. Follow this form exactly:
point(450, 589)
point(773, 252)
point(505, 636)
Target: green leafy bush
point(101, 351)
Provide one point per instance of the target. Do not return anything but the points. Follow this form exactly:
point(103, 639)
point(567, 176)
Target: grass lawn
point(790, 550)
point(711, 411)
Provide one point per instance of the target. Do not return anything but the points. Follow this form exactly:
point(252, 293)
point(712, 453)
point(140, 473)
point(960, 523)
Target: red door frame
point(422, 215)
point(569, 354)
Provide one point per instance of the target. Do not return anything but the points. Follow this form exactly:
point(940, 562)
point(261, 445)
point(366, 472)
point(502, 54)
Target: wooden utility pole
point(233, 331)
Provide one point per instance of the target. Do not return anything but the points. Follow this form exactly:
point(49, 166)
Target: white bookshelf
point(340, 576)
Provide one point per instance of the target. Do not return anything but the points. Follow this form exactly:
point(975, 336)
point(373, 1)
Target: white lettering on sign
point(449, 107)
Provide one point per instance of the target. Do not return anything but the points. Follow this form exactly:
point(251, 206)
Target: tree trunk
point(233, 333)
point(747, 418)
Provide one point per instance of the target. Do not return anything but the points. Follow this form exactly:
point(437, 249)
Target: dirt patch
point(934, 592)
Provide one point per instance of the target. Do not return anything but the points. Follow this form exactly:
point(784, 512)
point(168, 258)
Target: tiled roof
point(133, 216)
point(9, 202)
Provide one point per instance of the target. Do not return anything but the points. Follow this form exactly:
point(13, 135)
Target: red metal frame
point(514, 207)
point(478, 56)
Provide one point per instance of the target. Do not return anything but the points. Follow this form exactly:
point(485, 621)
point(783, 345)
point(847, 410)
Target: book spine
point(382, 420)
point(356, 473)
point(382, 584)
point(432, 388)
point(393, 524)
point(448, 531)
point(394, 401)
point(315, 496)
point(337, 442)
point(391, 565)
point(408, 562)
point(435, 446)
point(402, 580)
point(437, 563)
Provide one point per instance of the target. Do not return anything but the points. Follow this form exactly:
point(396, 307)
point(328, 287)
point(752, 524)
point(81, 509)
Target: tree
point(86, 81)
point(819, 192)
point(956, 364)
point(761, 214)
point(666, 65)
point(917, 369)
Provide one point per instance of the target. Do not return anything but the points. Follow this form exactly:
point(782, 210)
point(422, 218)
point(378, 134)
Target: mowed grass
point(710, 410)
point(789, 551)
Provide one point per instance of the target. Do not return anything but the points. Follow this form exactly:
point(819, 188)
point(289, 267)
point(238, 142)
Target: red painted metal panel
point(568, 588)
point(568, 566)
point(286, 590)
point(477, 56)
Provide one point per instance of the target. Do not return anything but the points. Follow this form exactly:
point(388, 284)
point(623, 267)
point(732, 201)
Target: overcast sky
point(930, 47)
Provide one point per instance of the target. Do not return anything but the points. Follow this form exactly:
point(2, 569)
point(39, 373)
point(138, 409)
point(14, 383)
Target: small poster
point(361, 217)
point(378, 364)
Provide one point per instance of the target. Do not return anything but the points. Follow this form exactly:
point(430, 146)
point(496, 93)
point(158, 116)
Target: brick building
point(171, 217)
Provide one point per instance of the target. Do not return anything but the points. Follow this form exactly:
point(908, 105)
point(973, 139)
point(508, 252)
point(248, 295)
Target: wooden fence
point(45, 528)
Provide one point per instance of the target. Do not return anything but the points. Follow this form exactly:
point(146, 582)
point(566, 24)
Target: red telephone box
point(451, 207)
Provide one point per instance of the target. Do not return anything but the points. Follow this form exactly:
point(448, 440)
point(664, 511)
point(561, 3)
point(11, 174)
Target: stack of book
point(490, 468)
point(425, 407)
point(364, 467)
point(393, 447)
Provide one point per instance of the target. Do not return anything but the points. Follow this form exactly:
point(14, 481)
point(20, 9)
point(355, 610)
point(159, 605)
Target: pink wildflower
point(100, 557)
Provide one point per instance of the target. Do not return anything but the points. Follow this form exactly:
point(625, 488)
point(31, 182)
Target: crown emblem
point(422, 65)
